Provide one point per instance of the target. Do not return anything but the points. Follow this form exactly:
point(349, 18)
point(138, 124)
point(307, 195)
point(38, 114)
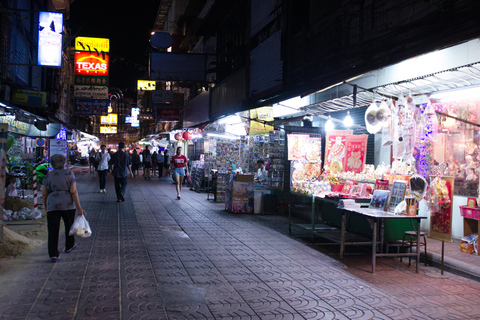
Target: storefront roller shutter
point(261, 14)
point(266, 67)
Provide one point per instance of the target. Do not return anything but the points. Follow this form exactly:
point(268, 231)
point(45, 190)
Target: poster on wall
point(355, 153)
point(335, 146)
point(297, 144)
point(441, 221)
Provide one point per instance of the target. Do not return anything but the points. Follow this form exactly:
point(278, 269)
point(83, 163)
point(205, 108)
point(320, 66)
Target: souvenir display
point(398, 193)
point(335, 146)
point(437, 195)
point(356, 153)
point(379, 199)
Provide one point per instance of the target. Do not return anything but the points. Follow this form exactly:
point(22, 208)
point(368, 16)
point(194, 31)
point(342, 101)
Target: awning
point(52, 130)
point(450, 68)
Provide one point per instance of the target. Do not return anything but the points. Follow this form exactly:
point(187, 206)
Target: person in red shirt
point(179, 166)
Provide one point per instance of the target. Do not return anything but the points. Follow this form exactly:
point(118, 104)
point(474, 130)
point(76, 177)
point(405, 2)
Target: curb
point(452, 265)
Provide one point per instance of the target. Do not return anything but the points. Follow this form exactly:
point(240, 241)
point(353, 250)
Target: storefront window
point(456, 144)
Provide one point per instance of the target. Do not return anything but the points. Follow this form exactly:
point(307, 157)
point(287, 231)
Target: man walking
point(121, 167)
point(102, 158)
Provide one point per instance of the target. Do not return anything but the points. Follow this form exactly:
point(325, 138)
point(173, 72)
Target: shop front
point(424, 116)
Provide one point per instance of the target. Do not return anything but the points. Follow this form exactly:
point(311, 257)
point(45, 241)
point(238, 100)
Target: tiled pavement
point(155, 257)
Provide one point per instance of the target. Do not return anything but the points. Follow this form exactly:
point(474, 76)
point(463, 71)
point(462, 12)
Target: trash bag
point(80, 227)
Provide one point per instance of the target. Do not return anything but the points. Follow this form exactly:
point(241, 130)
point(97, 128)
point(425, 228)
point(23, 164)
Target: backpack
point(148, 157)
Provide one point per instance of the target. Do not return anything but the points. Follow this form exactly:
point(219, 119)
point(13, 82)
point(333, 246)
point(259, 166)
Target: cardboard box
point(245, 177)
point(466, 247)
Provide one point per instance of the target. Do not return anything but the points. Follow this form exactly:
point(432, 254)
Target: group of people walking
point(60, 196)
point(152, 162)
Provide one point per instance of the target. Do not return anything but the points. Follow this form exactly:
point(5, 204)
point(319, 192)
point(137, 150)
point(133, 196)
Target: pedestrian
point(179, 165)
point(102, 158)
point(121, 166)
point(166, 162)
point(147, 162)
point(154, 162)
point(72, 156)
point(60, 199)
point(91, 159)
point(135, 162)
point(160, 164)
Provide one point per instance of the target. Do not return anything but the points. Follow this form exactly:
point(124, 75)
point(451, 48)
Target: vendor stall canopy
point(442, 70)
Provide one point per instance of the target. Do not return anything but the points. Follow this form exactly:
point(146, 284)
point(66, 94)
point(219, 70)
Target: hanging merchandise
point(431, 122)
point(409, 130)
point(371, 120)
point(335, 147)
point(398, 124)
point(437, 195)
point(178, 136)
point(418, 186)
point(356, 153)
point(187, 135)
point(387, 130)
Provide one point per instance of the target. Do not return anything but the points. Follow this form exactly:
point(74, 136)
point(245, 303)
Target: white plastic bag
point(80, 227)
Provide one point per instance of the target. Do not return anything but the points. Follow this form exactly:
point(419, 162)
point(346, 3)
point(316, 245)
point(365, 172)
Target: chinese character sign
point(355, 153)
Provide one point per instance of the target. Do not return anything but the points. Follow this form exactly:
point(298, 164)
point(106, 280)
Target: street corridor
point(156, 257)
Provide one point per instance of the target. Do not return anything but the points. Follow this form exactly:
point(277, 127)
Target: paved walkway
point(155, 257)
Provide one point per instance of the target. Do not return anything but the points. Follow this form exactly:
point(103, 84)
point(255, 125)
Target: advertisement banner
point(355, 153)
point(441, 221)
point(90, 107)
point(29, 98)
point(146, 85)
point(108, 129)
point(90, 44)
point(168, 114)
point(91, 80)
point(16, 126)
point(335, 147)
point(90, 92)
point(50, 27)
point(58, 147)
point(91, 63)
point(111, 118)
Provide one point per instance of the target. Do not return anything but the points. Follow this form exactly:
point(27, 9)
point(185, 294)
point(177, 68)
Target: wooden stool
point(413, 235)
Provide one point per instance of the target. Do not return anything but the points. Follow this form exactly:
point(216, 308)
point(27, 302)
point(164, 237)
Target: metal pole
point(443, 253)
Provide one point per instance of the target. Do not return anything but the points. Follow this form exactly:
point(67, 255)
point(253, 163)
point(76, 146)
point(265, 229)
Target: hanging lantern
point(187, 135)
point(178, 136)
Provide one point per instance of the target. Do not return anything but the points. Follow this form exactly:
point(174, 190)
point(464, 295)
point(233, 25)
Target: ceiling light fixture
point(348, 121)
point(329, 126)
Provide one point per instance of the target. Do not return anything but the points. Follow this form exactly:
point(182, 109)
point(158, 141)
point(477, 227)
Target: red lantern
point(178, 136)
point(187, 135)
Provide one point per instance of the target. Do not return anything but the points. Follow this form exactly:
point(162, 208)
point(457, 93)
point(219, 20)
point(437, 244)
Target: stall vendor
point(261, 172)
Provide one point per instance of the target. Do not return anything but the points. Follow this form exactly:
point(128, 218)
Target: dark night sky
point(127, 25)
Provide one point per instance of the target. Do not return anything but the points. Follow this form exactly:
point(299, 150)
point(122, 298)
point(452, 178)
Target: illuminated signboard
point(62, 135)
point(112, 118)
point(146, 85)
point(128, 119)
point(50, 28)
point(135, 123)
point(108, 129)
point(90, 44)
point(91, 64)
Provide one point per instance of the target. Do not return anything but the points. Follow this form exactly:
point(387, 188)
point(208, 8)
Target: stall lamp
point(329, 126)
point(348, 121)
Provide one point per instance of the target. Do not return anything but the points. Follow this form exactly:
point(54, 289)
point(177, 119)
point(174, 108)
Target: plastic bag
point(80, 227)
point(12, 190)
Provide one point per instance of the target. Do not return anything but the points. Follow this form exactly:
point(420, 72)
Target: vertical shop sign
point(441, 221)
point(356, 153)
point(50, 28)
